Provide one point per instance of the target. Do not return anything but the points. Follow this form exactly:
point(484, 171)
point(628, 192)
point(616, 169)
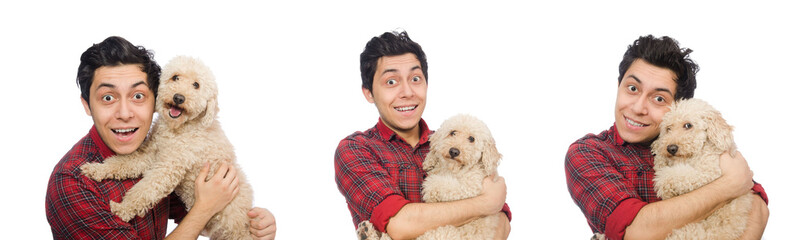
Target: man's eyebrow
point(657, 89)
point(389, 70)
point(396, 70)
point(634, 78)
point(108, 85)
point(137, 84)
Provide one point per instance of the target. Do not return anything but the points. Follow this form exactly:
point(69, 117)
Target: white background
point(541, 75)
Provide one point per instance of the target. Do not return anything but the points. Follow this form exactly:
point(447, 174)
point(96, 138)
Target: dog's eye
point(453, 132)
point(667, 129)
point(687, 125)
point(196, 85)
point(175, 78)
point(470, 139)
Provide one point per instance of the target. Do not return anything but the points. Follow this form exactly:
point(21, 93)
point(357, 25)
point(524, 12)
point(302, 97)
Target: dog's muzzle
point(178, 99)
point(672, 149)
point(454, 152)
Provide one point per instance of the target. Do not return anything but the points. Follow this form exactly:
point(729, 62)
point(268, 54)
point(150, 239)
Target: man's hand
point(494, 192)
point(263, 224)
point(213, 195)
point(736, 174)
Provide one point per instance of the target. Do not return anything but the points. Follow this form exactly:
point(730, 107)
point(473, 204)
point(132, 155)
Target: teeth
point(124, 130)
point(403, 109)
point(634, 123)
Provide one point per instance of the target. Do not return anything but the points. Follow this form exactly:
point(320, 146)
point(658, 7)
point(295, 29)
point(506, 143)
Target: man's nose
point(640, 106)
point(124, 110)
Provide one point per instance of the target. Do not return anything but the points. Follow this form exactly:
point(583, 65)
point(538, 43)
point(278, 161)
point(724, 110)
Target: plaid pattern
point(610, 180)
point(78, 207)
point(603, 170)
point(370, 166)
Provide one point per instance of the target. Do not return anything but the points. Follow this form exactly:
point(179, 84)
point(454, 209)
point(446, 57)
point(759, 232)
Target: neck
point(411, 136)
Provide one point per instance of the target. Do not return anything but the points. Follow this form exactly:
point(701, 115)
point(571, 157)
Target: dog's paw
point(121, 211)
point(94, 171)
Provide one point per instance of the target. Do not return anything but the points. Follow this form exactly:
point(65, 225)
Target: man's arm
point(656, 220)
point(757, 220)
point(503, 229)
point(416, 218)
point(210, 198)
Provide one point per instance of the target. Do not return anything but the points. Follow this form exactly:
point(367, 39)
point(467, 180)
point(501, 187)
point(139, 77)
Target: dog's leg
point(120, 167)
point(156, 184)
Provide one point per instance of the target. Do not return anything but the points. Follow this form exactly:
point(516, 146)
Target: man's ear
point(368, 95)
point(86, 106)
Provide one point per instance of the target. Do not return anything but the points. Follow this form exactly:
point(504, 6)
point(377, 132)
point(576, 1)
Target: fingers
point(203, 174)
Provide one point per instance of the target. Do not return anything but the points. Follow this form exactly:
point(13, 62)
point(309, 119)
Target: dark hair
point(664, 52)
point(388, 44)
point(115, 51)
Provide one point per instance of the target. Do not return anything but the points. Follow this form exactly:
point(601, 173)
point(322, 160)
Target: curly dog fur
point(462, 153)
point(693, 136)
point(184, 137)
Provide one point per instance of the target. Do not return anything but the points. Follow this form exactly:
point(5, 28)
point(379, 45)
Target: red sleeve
point(365, 184)
point(758, 189)
point(75, 210)
point(622, 216)
point(595, 185)
point(386, 210)
point(506, 210)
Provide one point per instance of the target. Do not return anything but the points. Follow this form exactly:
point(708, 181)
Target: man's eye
point(416, 78)
point(108, 98)
point(139, 96)
point(631, 88)
point(391, 81)
point(660, 99)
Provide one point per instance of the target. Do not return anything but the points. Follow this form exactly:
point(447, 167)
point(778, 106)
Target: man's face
point(400, 92)
point(121, 105)
point(642, 99)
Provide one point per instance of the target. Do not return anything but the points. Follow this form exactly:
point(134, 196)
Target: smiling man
point(610, 174)
point(118, 83)
point(379, 171)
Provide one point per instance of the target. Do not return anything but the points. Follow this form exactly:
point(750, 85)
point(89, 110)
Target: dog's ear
point(210, 113)
point(490, 157)
point(718, 132)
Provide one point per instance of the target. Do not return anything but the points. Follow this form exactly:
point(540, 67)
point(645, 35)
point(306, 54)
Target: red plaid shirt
point(78, 207)
point(378, 173)
point(611, 180)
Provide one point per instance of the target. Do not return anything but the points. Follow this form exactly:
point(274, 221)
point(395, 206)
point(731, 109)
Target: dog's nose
point(672, 149)
point(454, 152)
point(178, 99)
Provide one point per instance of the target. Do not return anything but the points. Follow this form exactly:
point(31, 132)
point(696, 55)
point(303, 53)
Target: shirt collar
point(386, 133)
point(617, 139)
point(105, 151)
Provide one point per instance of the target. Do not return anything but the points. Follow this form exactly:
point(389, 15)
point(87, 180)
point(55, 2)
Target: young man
point(379, 171)
point(118, 84)
point(609, 175)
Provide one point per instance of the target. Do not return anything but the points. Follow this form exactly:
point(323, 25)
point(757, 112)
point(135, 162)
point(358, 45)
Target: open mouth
point(125, 132)
point(634, 123)
point(406, 108)
point(174, 111)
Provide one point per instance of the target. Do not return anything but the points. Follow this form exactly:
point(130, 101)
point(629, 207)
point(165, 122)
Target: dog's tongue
point(175, 112)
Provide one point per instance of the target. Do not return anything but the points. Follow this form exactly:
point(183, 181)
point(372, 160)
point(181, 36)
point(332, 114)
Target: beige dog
point(462, 153)
point(184, 137)
point(693, 136)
